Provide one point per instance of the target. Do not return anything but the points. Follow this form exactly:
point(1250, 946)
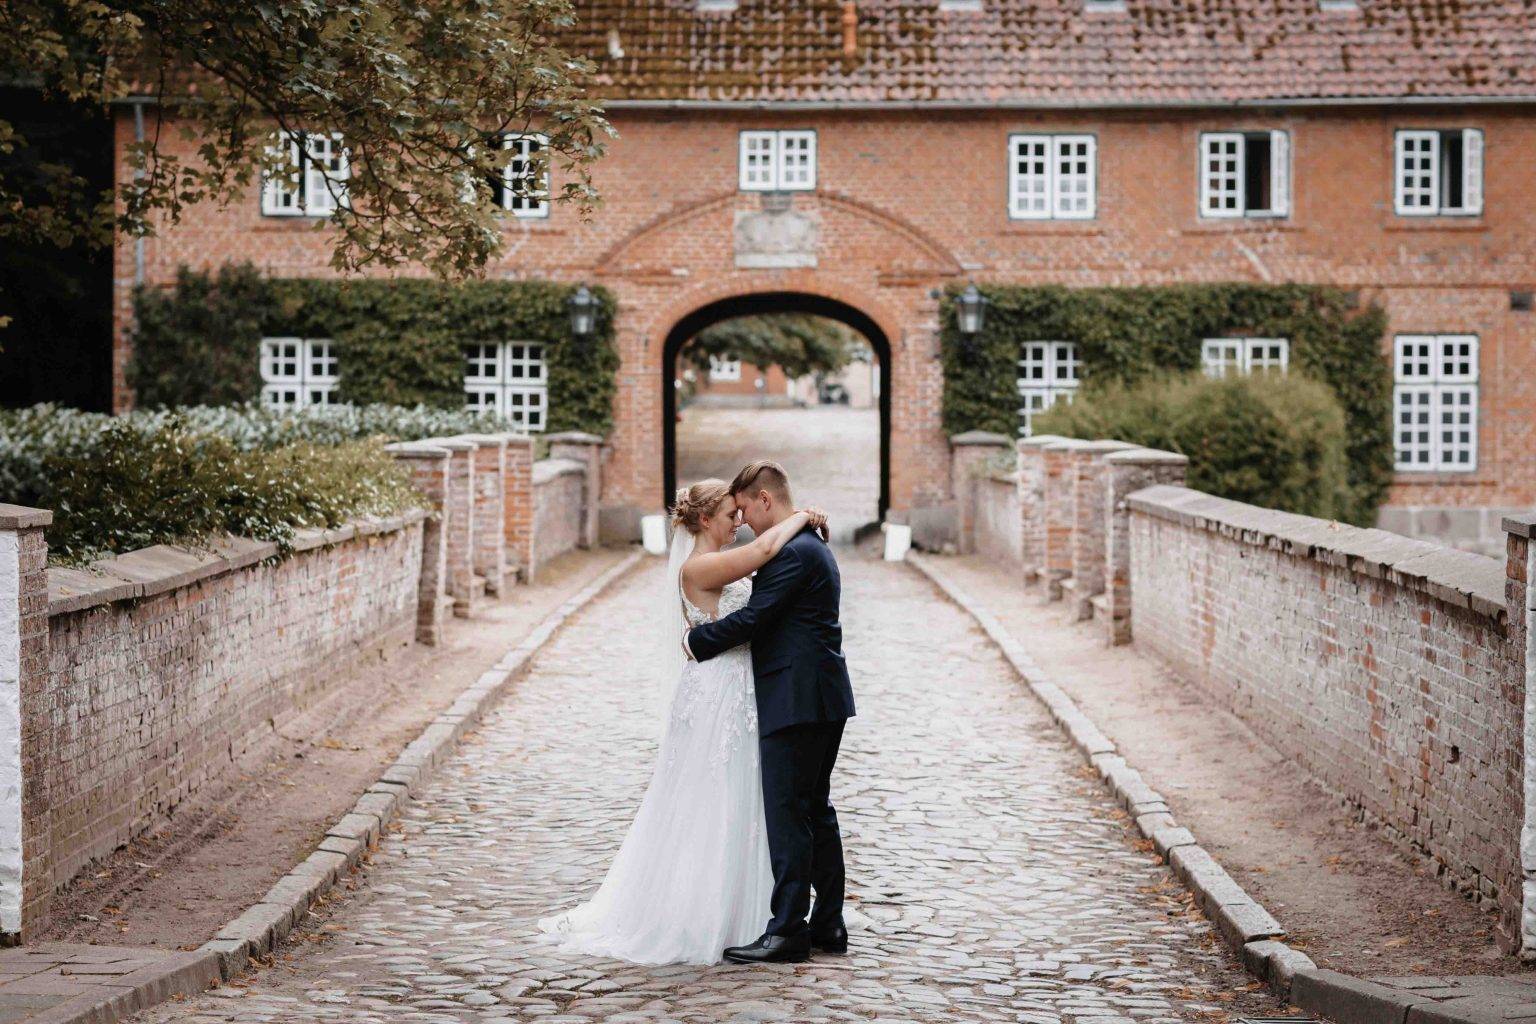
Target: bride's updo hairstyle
point(698, 502)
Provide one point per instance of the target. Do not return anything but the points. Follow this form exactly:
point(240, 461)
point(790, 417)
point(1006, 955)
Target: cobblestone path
point(1002, 884)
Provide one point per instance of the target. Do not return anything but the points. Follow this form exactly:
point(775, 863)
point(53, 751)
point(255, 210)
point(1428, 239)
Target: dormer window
point(1103, 6)
point(961, 6)
point(712, 6)
point(778, 161)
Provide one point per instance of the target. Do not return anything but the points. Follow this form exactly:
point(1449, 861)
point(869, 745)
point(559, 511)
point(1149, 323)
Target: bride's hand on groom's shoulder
point(818, 518)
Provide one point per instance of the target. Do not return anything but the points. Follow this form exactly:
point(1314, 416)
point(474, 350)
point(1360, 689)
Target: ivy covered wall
point(398, 340)
point(1127, 334)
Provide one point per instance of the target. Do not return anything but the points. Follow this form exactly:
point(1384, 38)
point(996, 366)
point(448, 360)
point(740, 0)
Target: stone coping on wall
point(163, 567)
point(1458, 578)
point(546, 470)
point(21, 517)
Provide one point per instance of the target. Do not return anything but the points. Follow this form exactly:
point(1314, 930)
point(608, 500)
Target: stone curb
point(1245, 926)
point(263, 926)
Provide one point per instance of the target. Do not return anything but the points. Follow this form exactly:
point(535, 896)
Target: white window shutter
point(1221, 174)
point(1280, 173)
point(796, 161)
point(1472, 170)
point(1029, 177)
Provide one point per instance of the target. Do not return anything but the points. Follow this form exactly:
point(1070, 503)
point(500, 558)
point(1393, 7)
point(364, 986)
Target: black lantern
point(583, 307)
point(971, 310)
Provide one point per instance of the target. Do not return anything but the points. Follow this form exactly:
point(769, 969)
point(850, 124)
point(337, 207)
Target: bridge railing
point(1394, 670)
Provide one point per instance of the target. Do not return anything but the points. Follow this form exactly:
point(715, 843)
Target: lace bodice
point(733, 597)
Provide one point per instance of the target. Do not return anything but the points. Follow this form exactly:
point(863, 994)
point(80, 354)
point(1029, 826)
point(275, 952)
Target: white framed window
point(778, 161)
point(1226, 357)
point(523, 189)
point(1434, 402)
point(297, 373)
point(1048, 373)
point(1245, 174)
point(314, 179)
point(725, 369)
point(1438, 173)
point(1052, 177)
point(510, 379)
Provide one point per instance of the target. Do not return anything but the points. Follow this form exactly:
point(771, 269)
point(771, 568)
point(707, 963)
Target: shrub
point(1272, 440)
point(1130, 334)
point(398, 341)
point(120, 483)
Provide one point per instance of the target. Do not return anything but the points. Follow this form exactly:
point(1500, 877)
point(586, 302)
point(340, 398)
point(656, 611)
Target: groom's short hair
point(762, 475)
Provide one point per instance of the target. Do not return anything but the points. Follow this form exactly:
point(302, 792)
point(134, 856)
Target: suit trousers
point(804, 844)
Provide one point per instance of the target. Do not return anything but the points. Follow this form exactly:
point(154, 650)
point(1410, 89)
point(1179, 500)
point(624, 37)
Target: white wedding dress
point(693, 875)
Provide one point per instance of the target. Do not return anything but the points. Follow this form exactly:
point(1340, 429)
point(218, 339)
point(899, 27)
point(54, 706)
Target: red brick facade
point(909, 201)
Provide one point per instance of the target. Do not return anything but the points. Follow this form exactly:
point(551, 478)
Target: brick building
point(851, 159)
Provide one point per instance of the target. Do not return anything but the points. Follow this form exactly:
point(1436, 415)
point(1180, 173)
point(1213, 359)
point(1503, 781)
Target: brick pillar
point(968, 454)
point(1520, 601)
point(586, 449)
point(1124, 473)
point(464, 587)
point(429, 473)
point(1032, 503)
point(1059, 492)
point(1088, 523)
point(490, 542)
point(26, 726)
point(517, 506)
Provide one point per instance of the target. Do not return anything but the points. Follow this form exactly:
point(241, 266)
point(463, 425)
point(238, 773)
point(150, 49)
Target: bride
point(692, 876)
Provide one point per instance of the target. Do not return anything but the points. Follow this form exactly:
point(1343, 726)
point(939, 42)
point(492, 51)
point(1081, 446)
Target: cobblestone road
point(1002, 884)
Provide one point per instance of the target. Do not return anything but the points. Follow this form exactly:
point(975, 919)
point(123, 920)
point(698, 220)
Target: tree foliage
point(421, 91)
point(800, 343)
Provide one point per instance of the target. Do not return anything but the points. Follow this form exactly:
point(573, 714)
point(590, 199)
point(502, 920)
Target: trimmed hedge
point(1129, 334)
point(399, 341)
point(117, 483)
point(1272, 440)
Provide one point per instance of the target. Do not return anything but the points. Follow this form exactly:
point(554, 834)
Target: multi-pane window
point(508, 378)
point(724, 368)
point(1434, 402)
point(313, 179)
point(1225, 357)
point(297, 372)
point(1052, 177)
point(1439, 173)
point(524, 186)
point(778, 161)
point(1048, 373)
point(1245, 174)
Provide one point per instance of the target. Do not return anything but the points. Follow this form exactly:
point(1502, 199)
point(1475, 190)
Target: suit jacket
point(797, 640)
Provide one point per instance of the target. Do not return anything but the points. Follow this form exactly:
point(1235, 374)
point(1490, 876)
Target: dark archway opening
point(761, 303)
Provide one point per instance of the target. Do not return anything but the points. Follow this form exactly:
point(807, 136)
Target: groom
point(803, 701)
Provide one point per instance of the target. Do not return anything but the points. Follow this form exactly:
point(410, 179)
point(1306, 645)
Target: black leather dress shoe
point(772, 949)
point(834, 941)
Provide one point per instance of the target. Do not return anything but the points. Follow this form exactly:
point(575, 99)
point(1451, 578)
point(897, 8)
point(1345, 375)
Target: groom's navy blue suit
point(803, 701)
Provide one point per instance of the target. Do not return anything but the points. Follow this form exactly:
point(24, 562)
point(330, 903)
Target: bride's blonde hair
point(696, 503)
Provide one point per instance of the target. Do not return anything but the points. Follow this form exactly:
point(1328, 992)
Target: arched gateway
point(770, 302)
point(743, 253)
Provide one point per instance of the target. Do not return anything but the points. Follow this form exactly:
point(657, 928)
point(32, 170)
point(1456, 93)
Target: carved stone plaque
point(776, 239)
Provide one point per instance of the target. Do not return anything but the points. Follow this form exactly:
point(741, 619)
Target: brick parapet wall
point(155, 692)
point(463, 584)
point(997, 530)
point(1382, 665)
point(973, 456)
point(1520, 600)
point(558, 515)
point(1059, 473)
point(586, 449)
point(429, 475)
